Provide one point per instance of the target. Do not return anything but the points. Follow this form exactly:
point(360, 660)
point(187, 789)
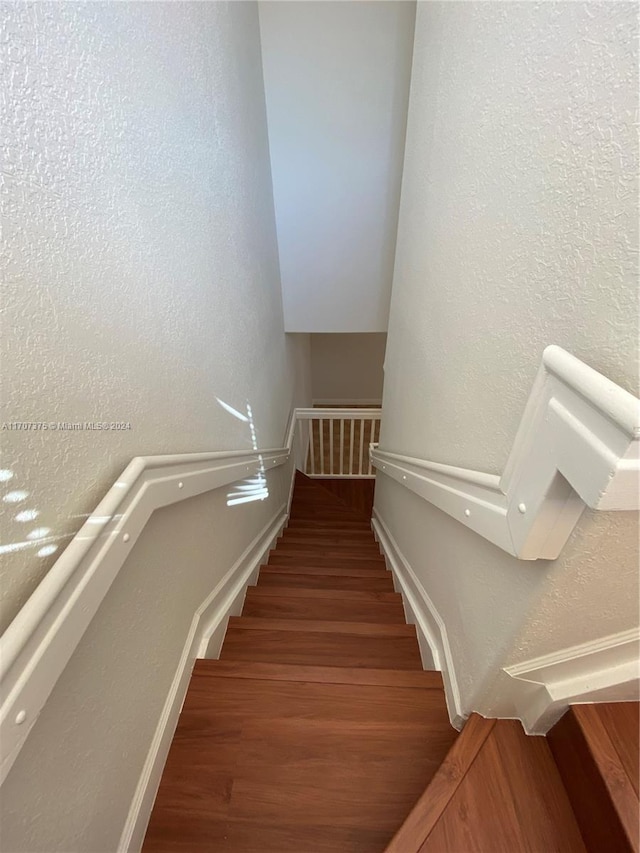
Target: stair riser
point(403, 679)
point(335, 582)
point(278, 558)
point(329, 550)
point(315, 543)
point(316, 649)
point(345, 571)
point(315, 524)
point(355, 536)
point(323, 609)
point(386, 597)
point(361, 629)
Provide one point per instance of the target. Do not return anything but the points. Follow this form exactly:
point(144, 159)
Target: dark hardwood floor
point(317, 729)
point(596, 750)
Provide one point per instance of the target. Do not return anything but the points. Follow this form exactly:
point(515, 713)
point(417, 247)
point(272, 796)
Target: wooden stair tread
point(339, 534)
point(352, 560)
point(319, 526)
point(331, 569)
point(391, 678)
point(341, 594)
point(319, 648)
point(435, 798)
point(265, 691)
point(511, 798)
point(497, 790)
point(367, 629)
point(350, 541)
point(622, 721)
point(336, 582)
point(603, 796)
point(294, 756)
point(329, 549)
point(332, 608)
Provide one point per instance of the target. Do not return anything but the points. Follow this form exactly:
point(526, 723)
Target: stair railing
point(337, 441)
point(578, 445)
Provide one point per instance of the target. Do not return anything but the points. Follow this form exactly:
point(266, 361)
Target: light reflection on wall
point(252, 488)
point(39, 537)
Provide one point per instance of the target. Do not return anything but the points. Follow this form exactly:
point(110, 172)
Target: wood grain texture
point(358, 495)
point(296, 764)
point(339, 534)
point(622, 722)
point(321, 648)
point(424, 680)
point(324, 609)
point(315, 524)
point(344, 570)
point(329, 548)
point(433, 801)
point(320, 560)
point(318, 732)
point(511, 799)
point(602, 795)
point(317, 729)
point(320, 593)
point(335, 582)
point(366, 629)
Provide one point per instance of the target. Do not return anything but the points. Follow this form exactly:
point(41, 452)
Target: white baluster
point(312, 442)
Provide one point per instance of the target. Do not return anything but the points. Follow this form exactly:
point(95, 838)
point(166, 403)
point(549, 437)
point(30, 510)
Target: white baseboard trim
point(603, 670)
point(204, 639)
point(421, 612)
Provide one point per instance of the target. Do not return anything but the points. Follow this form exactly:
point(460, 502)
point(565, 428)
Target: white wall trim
point(577, 445)
point(327, 413)
point(602, 670)
point(347, 401)
point(38, 644)
point(40, 641)
point(203, 640)
point(421, 612)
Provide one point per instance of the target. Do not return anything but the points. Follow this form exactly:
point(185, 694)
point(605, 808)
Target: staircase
point(318, 731)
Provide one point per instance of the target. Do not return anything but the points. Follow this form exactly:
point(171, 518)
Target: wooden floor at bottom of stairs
point(272, 758)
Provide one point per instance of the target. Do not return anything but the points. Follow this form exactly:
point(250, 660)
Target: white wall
point(347, 368)
point(336, 82)
point(517, 222)
point(142, 283)
point(141, 278)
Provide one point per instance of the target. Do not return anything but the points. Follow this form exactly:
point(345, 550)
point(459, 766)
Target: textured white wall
point(347, 367)
point(517, 226)
point(141, 271)
point(337, 82)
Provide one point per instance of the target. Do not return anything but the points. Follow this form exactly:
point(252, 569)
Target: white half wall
point(336, 83)
point(347, 368)
point(517, 225)
point(82, 781)
point(141, 276)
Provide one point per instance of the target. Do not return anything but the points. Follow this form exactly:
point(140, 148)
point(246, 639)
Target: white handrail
point(577, 445)
point(37, 645)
